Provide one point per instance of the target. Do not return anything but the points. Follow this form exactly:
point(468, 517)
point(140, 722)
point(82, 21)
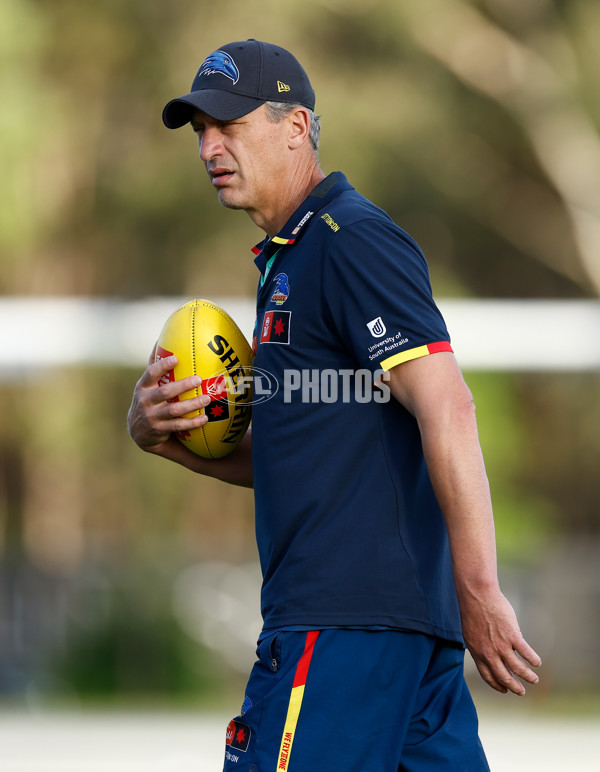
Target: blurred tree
point(472, 122)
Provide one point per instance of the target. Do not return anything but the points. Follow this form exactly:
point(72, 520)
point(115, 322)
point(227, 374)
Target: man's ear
point(299, 127)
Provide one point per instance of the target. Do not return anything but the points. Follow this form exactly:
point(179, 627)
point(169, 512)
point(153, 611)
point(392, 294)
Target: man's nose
point(210, 143)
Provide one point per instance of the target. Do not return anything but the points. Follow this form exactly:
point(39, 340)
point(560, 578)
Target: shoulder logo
point(377, 327)
point(281, 289)
point(331, 222)
point(281, 87)
point(220, 61)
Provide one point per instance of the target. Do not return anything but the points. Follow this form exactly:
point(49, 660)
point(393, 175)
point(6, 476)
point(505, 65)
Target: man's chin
point(228, 201)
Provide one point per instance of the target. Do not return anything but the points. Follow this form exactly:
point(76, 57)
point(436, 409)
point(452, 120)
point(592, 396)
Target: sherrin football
point(207, 342)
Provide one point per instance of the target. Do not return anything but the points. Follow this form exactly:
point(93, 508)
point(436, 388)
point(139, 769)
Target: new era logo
point(282, 86)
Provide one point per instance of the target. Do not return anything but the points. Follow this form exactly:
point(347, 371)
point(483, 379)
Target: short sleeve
point(378, 292)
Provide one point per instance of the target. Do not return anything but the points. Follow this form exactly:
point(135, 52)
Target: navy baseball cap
point(239, 77)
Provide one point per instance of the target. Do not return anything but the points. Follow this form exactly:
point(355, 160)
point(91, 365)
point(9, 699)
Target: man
point(373, 515)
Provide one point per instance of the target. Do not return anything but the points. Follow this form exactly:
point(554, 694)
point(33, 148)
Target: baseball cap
point(239, 77)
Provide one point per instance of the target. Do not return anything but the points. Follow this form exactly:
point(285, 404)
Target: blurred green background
point(474, 123)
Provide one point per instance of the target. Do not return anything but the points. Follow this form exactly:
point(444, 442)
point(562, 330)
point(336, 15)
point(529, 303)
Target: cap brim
point(221, 105)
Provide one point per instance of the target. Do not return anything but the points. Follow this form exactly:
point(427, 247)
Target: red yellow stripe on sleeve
point(415, 353)
point(296, 697)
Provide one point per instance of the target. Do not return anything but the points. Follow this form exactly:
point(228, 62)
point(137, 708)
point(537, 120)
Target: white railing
point(519, 335)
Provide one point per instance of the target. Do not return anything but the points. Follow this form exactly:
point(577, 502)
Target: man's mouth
point(220, 177)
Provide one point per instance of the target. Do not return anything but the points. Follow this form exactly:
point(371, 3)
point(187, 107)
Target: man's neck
point(300, 186)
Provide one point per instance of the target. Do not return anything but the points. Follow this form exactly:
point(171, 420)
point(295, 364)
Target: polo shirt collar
point(328, 189)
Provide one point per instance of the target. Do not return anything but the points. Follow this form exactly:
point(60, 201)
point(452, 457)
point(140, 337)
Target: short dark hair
point(277, 111)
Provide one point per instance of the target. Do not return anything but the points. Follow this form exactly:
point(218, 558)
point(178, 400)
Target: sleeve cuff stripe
point(415, 353)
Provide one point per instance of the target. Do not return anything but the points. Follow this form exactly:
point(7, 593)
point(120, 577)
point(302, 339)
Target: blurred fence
point(530, 335)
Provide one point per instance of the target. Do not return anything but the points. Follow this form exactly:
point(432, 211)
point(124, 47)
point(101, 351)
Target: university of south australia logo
point(377, 327)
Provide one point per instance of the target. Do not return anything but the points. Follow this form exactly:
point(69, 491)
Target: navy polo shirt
point(348, 528)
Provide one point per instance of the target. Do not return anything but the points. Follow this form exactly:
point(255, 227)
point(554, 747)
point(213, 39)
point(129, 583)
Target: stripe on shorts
point(295, 704)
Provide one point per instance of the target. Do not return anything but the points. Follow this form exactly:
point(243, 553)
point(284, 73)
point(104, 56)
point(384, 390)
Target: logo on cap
point(220, 61)
point(281, 87)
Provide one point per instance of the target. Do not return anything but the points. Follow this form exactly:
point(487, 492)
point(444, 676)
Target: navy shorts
point(357, 701)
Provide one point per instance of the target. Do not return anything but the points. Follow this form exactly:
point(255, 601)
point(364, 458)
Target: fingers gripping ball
point(207, 342)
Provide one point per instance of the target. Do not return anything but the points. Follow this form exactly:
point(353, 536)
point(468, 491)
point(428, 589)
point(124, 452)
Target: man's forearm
point(457, 471)
point(235, 468)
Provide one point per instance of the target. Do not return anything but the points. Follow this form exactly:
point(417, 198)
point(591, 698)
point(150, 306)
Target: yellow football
point(207, 342)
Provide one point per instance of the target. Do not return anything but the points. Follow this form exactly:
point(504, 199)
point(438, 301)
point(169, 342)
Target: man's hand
point(154, 416)
point(493, 637)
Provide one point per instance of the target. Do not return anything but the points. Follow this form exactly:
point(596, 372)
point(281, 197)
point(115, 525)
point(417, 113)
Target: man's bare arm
point(433, 390)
